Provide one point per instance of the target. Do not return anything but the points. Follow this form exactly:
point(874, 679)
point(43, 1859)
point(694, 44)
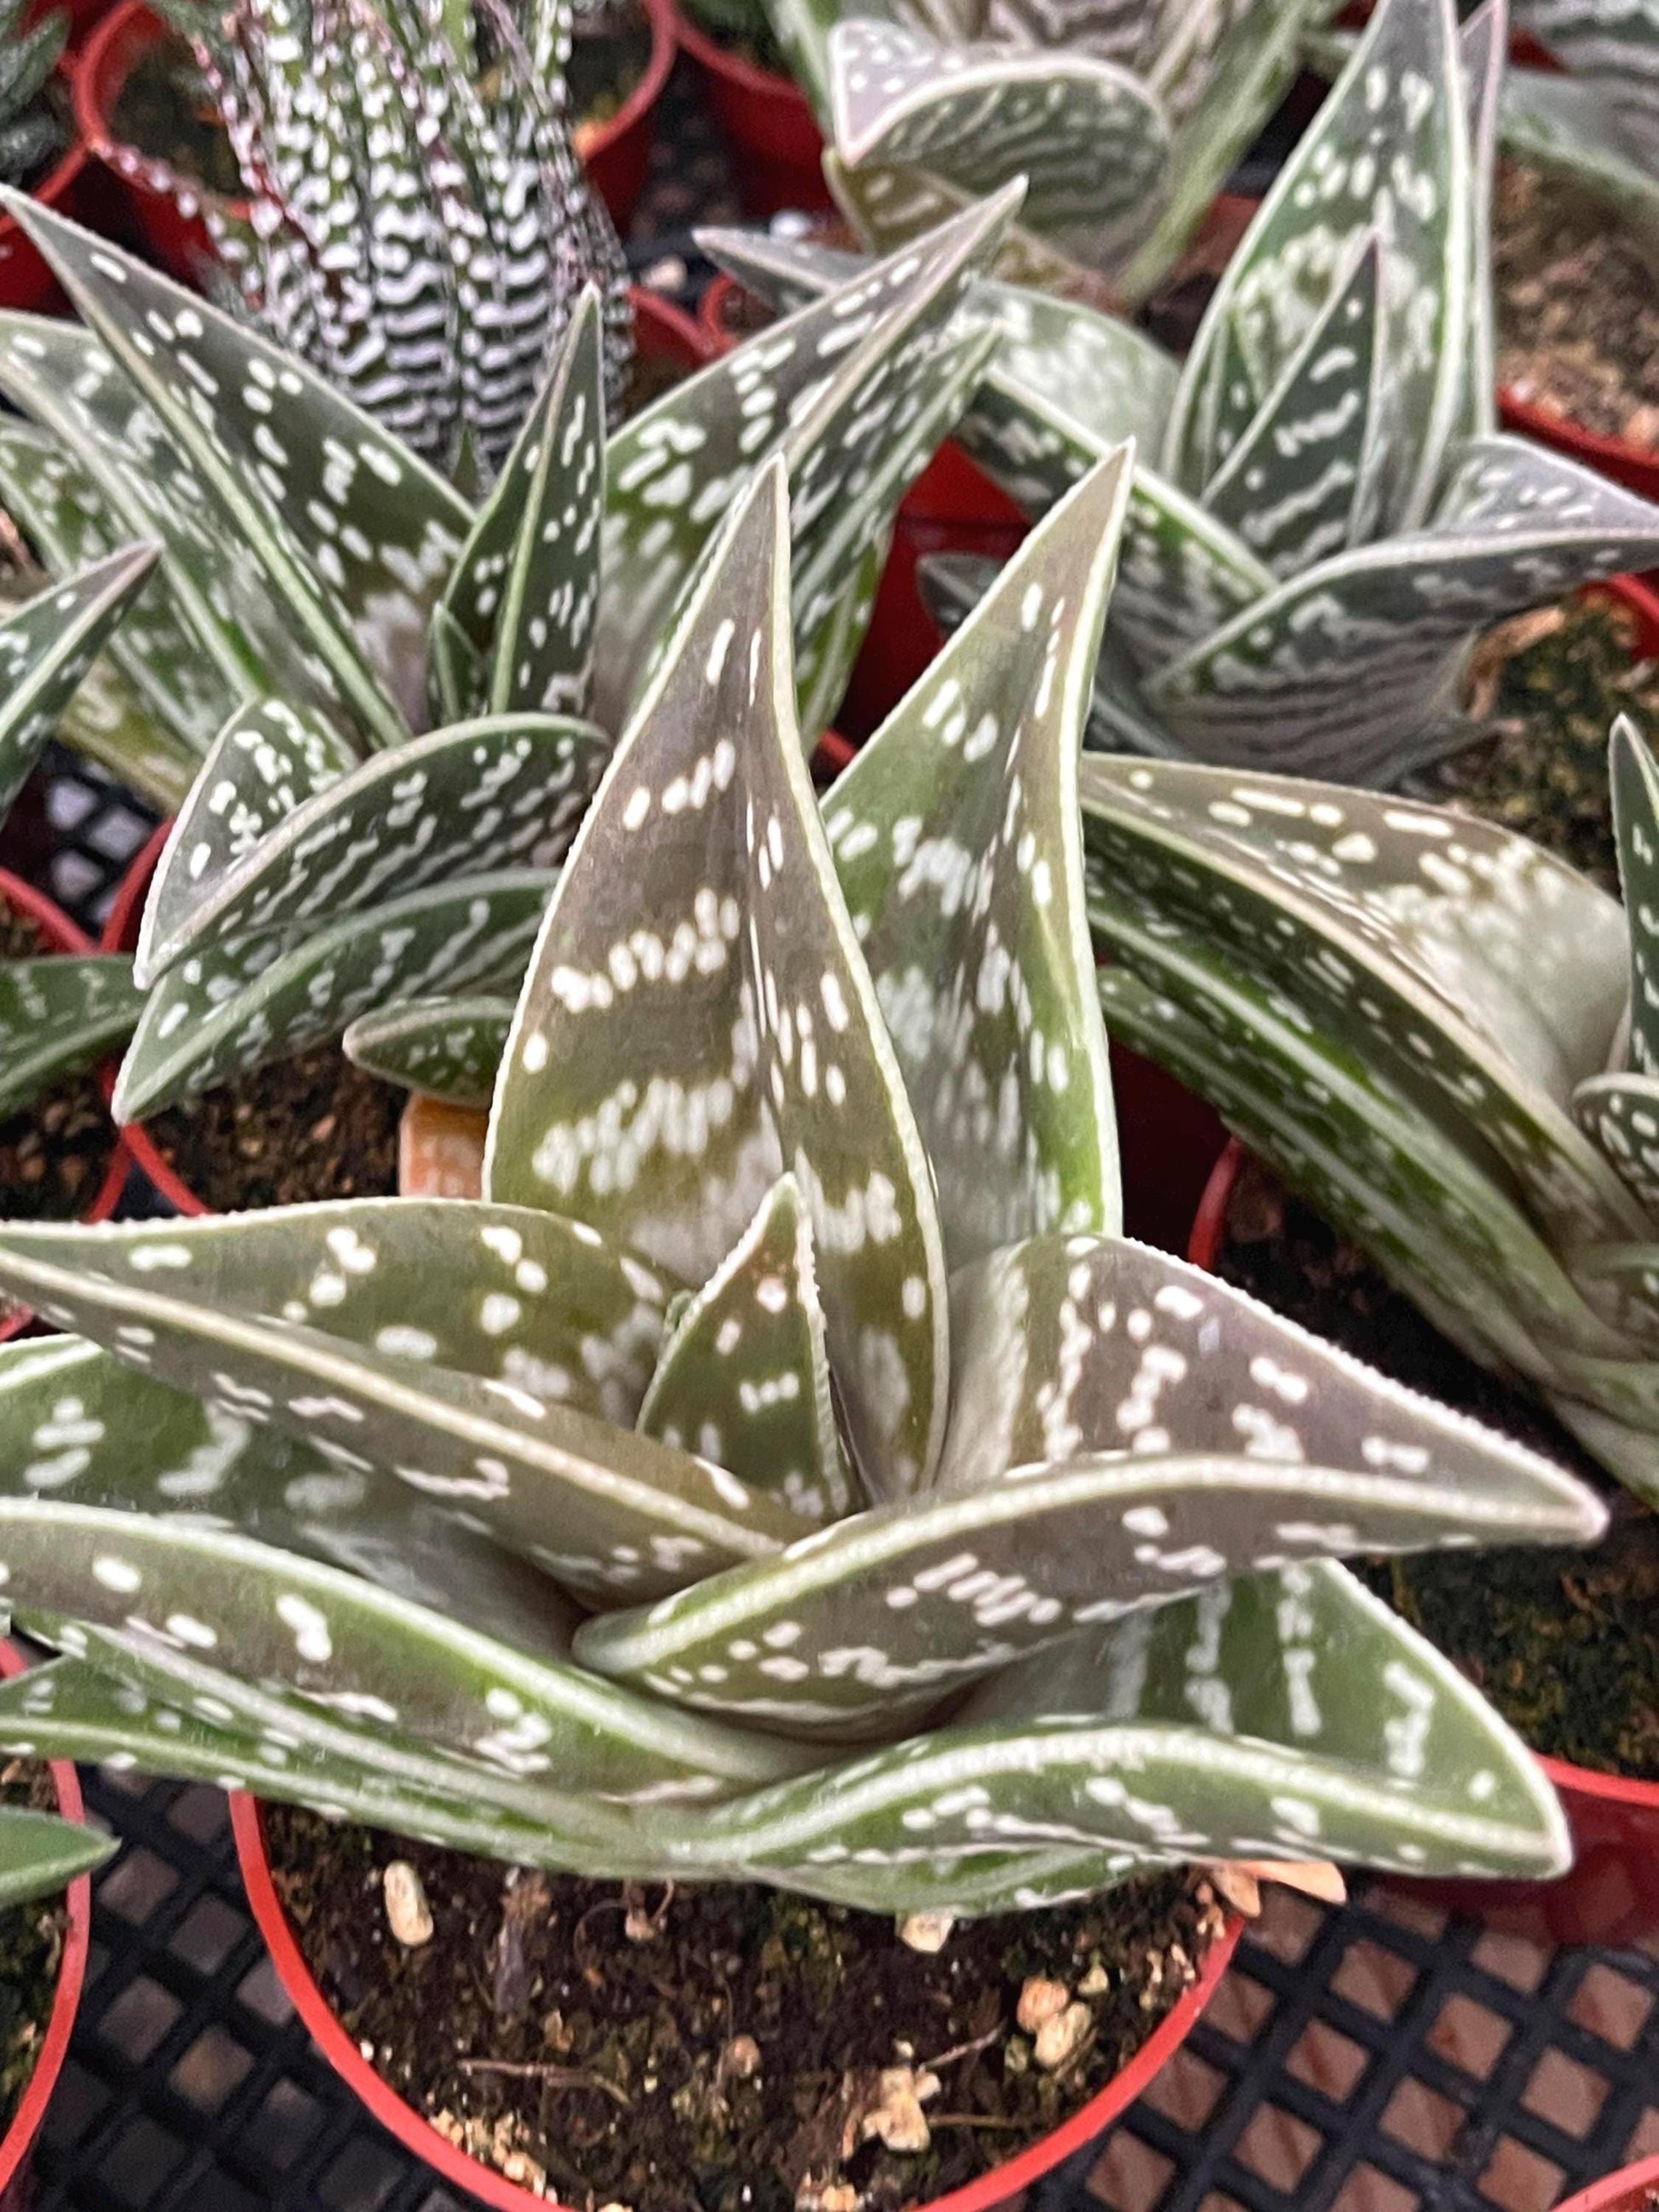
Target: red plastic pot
point(489, 2187)
point(15, 2144)
point(617, 154)
point(26, 282)
point(1611, 1895)
point(1632, 2189)
point(767, 123)
point(60, 933)
point(1636, 467)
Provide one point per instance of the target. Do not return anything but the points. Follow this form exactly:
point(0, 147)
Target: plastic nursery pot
point(617, 152)
point(491, 2188)
point(69, 188)
point(767, 123)
point(60, 934)
point(1632, 2189)
point(15, 2143)
point(1611, 1895)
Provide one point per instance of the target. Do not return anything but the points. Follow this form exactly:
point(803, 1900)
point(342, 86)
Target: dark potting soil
point(311, 1127)
point(719, 2049)
point(605, 67)
point(1550, 684)
point(1565, 1643)
point(31, 1947)
point(56, 1152)
point(167, 112)
point(1578, 309)
point(651, 375)
point(743, 30)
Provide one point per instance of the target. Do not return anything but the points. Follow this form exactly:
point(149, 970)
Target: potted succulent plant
point(411, 637)
point(933, 1549)
point(46, 1848)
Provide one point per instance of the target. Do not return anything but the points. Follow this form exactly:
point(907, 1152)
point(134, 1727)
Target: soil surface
point(55, 1153)
point(31, 1946)
point(166, 110)
point(1565, 1643)
point(721, 2049)
point(1550, 684)
point(604, 68)
point(311, 1127)
point(1578, 309)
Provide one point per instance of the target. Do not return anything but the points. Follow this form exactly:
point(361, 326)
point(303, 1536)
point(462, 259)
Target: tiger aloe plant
point(1332, 521)
point(413, 696)
point(39, 1852)
point(787, 1471)
point(417, 226)
point(1124, 121)
point(1435, 1030)
point(31, 129)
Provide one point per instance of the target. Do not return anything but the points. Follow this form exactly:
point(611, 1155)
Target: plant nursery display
point(785, 1474)
point(1331, 521)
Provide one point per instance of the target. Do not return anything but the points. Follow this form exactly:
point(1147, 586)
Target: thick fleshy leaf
point(59, 1015)
point(448, 1048)
point(854, 393)
point(524, 592)
point(743, 1379)
point(698, 1016)
point(260, 1614)
point(604, 1511)
point(1293, 486)
point(290, 464)
point(1124, 1429)
point(1482, 43)
point(1635, 792)
point(1342, 669)
point(1435, 944)
point(39, 1853)
point(471, 800)
point(1161, 1787)
point(1620, 1114)
point(1089, 138)
point(269, 759)
point(955, 839)
point(886, 203)
point(46, 647)
point(223, 1011)
point(1388, 152)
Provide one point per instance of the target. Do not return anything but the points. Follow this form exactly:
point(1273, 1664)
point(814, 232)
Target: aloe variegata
point(904, 1534)
point(1332, 522)
point(413, 697)
point(1435, 1030)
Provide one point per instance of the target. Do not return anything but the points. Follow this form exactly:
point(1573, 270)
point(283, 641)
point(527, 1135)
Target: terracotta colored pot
point(1612, 1894)
point(71, 188)
point(617, 154)
point(489, 2187)
point(767, 123)
point(61, 934)
point(15, 2143)
point(1631, 2189)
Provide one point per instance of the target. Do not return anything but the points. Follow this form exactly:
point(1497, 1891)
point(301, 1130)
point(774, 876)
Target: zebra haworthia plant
point(414, 698)
point(787, 1471)
point(1435, 1030)
point(1332, 522)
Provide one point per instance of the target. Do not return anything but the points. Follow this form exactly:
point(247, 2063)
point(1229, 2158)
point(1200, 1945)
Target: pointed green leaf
point(46, 647)
point(1482, 44)
point(743, 1379)
point(40, 1854)
point(266, 1616)
point(289, 463)
point(268, 759)
point(471, 800)
point(888, 203)
point(448, 1049)
point(1620, 1114)
point(748, 988)
point(525, 594)
point(457, 675)
point(1295, 484)
point(1635, 793)
point(223, 1011)
point(954, 835)
point(1192, 1435)
point(59, 1015)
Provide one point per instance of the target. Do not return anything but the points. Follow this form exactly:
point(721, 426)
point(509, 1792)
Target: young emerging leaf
point(46, 647)
point(448, 1048)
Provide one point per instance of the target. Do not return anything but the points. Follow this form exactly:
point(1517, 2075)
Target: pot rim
point(15, 2143)
point(744, 76)
point(1202, 1248)
point(1620, 2191)
point(659, 14)
point(417, 2134)
point(1591, 448)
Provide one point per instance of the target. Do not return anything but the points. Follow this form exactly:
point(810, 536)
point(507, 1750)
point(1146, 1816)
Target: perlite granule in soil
point(1565, 1644)
point(56, 1152)
point(727, 2048)
point(31, 1951)
point(311, 1127)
